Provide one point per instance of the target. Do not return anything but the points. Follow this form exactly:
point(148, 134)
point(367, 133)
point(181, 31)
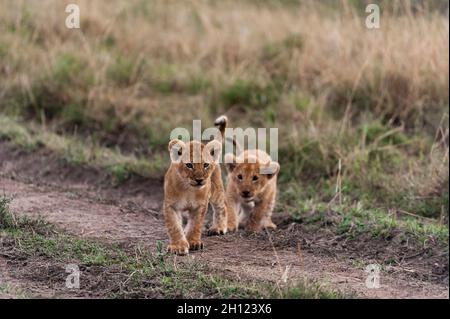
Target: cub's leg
point(268, 223)
point(194, 227)
point(261, 216)
point(178, 243)
point(244, 211)
point(232, 211)
point(219, 226)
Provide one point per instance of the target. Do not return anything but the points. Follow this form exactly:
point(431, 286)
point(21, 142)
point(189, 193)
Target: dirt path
point(81, 202)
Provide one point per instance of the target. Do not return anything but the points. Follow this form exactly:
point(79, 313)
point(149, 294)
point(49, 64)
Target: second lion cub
point(252, 186)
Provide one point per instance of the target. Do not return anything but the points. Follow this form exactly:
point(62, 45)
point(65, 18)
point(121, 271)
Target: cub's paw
point(181, 248)
point(270, 225)
point(195, 245)
point(217, 230)
point(232, 227)
point(251, 228)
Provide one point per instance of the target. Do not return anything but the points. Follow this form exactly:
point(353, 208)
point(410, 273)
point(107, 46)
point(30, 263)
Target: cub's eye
point(239, 177)
point(255, 178)
point(206, 165)
point(189, 165)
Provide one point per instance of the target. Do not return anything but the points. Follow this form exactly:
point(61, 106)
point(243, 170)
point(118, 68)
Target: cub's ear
point(230, 162)
point(176, 149)
point(270, 170)
point(213, 149)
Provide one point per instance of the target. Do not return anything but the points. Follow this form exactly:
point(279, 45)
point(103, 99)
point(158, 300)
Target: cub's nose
point(199, 181)
point(245, 194)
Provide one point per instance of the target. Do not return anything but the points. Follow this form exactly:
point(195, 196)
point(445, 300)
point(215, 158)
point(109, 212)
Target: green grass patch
point(71, 69)
point(357, 219)
point(249, 94)
point(376, 162)
point(3, 50)
point(121, 71)
point(78, 152)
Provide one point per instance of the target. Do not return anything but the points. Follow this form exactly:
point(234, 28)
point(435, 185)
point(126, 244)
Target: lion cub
point(192, 180)
point(252, 187)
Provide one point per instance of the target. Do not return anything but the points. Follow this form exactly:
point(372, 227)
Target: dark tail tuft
point(221, 123)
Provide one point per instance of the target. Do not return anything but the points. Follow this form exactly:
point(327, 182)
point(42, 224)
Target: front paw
point(270, 225)
point(232, 227)
point(253, 228)
point(195, 245)
point(217, 230)
point(181, 248)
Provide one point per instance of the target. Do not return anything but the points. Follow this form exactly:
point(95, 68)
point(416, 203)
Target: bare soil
point(82, 201)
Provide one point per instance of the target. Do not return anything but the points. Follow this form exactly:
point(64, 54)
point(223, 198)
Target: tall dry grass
point(400, 69)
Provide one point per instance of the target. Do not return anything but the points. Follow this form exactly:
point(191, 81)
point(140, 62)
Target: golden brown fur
point(189, 190)
point(251, 189)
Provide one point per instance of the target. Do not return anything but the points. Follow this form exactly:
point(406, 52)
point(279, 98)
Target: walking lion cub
point(192, 180)
point(252, 186)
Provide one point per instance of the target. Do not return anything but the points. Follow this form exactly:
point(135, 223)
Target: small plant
point(67, 67)
point(7, 220)
point(3, 50)
point(122, 71)
point(294, 41)
point(160, 252)
point(248, 94)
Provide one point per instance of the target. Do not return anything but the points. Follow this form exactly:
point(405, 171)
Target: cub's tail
point(221, 123)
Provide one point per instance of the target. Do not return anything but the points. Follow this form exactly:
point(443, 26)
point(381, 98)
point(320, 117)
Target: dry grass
point(136, 45)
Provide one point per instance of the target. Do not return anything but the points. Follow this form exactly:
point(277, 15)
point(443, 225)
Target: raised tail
point(221, 123)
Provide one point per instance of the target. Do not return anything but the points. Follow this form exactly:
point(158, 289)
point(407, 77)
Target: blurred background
point(109, 93)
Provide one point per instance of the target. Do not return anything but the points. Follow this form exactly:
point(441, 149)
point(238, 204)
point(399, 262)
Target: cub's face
point(251, 176)
point(194, 161)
